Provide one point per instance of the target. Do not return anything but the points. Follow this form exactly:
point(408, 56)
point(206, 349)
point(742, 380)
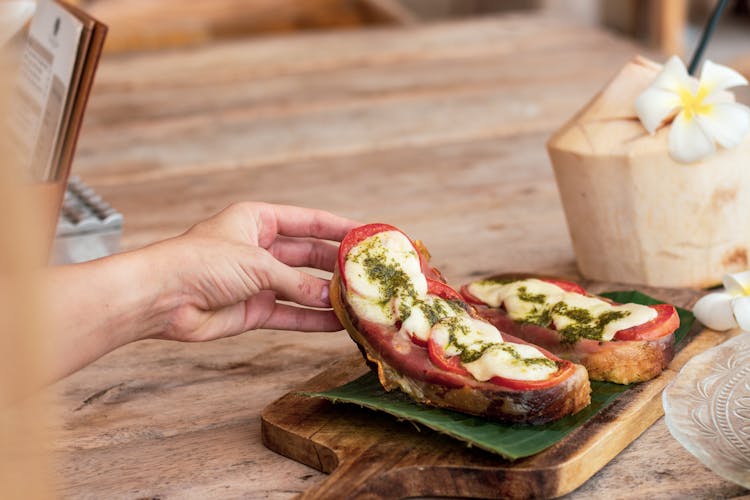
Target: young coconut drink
point(653, 178)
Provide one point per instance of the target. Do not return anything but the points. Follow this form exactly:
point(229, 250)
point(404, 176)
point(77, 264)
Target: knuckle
point(317, 224)
point(306, 286)
point(239, 208)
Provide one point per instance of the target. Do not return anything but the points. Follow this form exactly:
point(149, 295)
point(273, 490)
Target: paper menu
point(44, 88)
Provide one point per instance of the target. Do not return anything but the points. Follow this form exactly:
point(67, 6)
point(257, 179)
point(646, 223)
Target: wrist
point(153, 293)
point(116, 300)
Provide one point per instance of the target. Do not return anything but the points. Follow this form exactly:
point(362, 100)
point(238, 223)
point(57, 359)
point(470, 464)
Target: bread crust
point(415, 375)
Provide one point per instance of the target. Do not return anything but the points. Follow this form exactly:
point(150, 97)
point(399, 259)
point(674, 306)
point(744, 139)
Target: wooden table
point(439, 130)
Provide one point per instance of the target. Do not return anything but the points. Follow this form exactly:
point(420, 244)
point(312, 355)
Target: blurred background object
point(668, 26)
point(25, 468)
point(88, 227)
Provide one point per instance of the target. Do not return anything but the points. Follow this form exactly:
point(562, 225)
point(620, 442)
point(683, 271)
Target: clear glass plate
point(707, 408)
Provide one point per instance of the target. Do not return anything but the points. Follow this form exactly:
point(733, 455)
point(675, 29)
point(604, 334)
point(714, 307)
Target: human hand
point(226, 274)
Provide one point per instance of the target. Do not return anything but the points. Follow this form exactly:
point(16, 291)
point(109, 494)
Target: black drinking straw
point(708, 30)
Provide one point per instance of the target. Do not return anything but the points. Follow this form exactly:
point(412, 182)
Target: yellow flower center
point(692, 104)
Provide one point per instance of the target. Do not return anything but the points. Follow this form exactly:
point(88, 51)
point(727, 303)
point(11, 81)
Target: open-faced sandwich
point(621, 343)
point(421, 337)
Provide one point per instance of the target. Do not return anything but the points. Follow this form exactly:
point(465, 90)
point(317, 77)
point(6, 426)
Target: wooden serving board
point(372, 454)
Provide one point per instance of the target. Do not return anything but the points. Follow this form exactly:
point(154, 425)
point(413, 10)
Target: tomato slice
point(565, 369)
point(447, 363)
point(470, 297)
point(361, 233)
point(665, 323)
point(436, 352)
point(442, 290)
point(453, 364)
point(418, 341)
point(567, 286)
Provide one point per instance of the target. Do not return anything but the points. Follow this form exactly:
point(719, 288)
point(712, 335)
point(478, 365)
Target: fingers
point(308, 222)
point(260, 311)
point(290, 283)
point(305, 252)
point(288, 317)
point(261, 223)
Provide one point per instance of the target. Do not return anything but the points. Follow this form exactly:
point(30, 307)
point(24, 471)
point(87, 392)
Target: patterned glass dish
point(707, 408)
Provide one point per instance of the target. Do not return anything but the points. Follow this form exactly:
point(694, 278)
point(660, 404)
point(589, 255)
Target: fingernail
point(324, 296)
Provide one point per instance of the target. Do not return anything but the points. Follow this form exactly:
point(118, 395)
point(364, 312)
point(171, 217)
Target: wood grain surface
point(439, 130)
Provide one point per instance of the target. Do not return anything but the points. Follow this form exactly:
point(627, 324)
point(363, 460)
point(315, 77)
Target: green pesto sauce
point(475, 352)
point(534, 298)
point(541, 316)
point(458, 306)
point(472, 352)
point(585, 326)
point(467, 352)
point(391, 279)
point(497, 281)
point(404, 310)
point(541, 313)
point(434, 312)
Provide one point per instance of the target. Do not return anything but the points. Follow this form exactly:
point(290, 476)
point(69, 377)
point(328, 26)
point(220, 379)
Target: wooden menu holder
point(47, 197)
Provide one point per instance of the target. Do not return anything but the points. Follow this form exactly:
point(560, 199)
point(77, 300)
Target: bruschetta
point(621, 343)
point(421, 337)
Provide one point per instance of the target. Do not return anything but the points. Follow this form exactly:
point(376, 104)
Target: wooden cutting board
point(374, 455)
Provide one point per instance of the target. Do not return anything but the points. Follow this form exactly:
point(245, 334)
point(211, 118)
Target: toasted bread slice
point(634, 354)
point(410, 364)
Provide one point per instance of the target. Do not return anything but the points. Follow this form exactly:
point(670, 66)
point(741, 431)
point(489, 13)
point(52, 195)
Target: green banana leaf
point(511, 441)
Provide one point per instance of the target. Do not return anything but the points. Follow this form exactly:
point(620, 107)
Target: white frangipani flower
point(728, 308)
point(704, 111)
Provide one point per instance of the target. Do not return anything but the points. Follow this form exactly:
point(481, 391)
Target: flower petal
point(687, 140)
point(718, 96)
point(717, 77)
point(715, 311)
point(741, 310)
point(674, 77)
point(654, 105)
point(737, 283)
point(727, 123)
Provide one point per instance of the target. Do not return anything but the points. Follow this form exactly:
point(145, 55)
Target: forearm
point(98, 306)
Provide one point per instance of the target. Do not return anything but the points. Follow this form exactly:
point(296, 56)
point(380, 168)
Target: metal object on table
point(88, 227)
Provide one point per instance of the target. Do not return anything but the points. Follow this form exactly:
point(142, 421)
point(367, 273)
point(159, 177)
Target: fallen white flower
point(728, 308)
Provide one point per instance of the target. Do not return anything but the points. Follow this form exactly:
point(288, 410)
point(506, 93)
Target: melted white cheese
point(417, 323)
point(498, 361)
point(469, 333)
point(382, 313)
point(509, 296)
point(365, 293)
